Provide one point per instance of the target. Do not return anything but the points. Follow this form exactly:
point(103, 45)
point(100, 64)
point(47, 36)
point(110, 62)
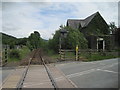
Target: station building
point(95, 30)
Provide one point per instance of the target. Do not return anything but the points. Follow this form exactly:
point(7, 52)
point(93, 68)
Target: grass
point(95, 56)
point(55, 55)
point(13, 60)
point(52, 54)
point(85, 56)
point(70, 54)
point(22, 52)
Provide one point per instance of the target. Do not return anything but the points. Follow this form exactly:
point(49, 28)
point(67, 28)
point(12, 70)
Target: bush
point(74, 37)
point(14, 54)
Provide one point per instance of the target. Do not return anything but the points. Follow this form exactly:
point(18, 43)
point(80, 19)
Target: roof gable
point(75, 23)
point(88, 19)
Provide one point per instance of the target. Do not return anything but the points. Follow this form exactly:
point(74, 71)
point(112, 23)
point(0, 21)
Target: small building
point(95, 30)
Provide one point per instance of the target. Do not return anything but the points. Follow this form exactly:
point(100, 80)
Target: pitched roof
point(88, 19)
point(75, 23)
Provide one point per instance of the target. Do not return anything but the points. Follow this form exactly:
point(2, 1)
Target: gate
point(69, 55)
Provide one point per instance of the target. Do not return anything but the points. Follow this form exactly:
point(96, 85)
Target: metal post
point(63, 33)
point(60, 46)
point(76, 52)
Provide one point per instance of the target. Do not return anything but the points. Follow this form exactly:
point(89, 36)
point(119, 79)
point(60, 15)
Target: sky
point(19, 19)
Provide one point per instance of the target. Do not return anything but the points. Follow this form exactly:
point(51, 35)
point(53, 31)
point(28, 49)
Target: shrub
point(14, 54)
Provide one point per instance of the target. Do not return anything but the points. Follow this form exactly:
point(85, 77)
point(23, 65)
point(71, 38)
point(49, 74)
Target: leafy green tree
point(22, 41)
point(74, 37)
point(117, 37)
point(112, 27)
point(34, 40)
point(29, 45)
point(8, 40)
point(54, 43)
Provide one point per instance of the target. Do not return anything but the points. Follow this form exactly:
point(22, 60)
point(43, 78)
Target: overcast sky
point(19, 19)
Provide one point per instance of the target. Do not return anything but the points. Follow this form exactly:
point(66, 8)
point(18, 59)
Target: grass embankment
point(56, 55)
point(86, 56)
point(16, 55)
point(95, 56)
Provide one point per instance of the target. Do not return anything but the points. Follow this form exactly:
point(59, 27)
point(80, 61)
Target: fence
point(68, 55)
point(71, 54)
point(4, 55)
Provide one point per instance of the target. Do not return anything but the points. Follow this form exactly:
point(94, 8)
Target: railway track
point(36, 73)
point(36, 58)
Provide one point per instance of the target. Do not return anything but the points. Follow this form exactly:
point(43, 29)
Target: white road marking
point(92, 70)
point(80, 73)
point(106, 71)
point(63, 64)
point(108, 66)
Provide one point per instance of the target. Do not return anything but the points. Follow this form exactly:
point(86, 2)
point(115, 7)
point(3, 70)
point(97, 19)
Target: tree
point(22, 41)
point(54, 42)
point(112, 27)
point(34, 40)
point(74, 37)
point(117, 36)
point(9, 40)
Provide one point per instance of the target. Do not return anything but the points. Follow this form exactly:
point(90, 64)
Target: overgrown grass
point(13, 60)
point(14, 55)
point(95, 56)
point(52, 54)
point(70, 54)
point(22, 53)
point(56, 55)
point(84, 56)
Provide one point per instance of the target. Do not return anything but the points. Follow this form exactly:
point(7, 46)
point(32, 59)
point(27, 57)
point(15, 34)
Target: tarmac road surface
point(96, 74)
point(6, 71)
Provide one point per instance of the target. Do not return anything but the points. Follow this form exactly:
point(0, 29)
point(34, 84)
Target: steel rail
point(20, 83)
point(49, 74)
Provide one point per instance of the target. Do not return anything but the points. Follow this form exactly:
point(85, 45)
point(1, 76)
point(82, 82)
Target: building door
point(100, 44)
